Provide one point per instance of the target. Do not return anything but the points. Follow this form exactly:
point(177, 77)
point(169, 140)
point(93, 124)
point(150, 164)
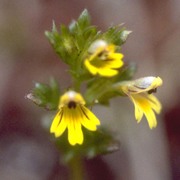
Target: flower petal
point(75, 135)
point(78, 129)
point(89, 120)
point(146, 103)
point(90, 115)
point(62, 124)
point(107, 72)
point(154, 103)
point(93, 70)
point(116, 60)
point(55, 121)
point(151, 118)
point(138, 112)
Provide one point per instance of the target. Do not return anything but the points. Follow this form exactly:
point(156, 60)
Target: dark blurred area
point(26, 152)
point(173, 135)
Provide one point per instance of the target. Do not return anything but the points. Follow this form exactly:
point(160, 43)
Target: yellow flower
point(73, 115)
point(103, 59)
point(140, 92)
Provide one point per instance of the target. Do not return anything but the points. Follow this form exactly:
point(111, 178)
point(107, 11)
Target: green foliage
point(45, 95)
point(116, 36)
point(102, 89)
point(71, 42)
point(96, 143)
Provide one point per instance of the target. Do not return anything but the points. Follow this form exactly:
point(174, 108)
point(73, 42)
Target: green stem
point(77, 85)
point(76, 169)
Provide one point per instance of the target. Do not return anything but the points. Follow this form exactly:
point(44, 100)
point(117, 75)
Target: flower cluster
point(98, 73)
point(102, 60)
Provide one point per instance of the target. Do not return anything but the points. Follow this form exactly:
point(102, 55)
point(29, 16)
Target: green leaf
point(124, 35)
point(116, 35)
point(126, 73)
point(45, 95)
point(62, 42)
point(82, 22)
point(84, 19)
point(83, 32)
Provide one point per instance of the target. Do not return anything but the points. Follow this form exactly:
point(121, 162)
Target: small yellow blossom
point(103, 59)
point(140, 92)
point(73, 115)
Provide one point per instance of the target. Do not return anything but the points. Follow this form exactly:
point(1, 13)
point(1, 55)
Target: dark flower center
point(152, 91)
point(72, 104)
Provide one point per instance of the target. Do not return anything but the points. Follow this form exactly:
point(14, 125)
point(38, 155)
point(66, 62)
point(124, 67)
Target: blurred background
point(26, 56)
